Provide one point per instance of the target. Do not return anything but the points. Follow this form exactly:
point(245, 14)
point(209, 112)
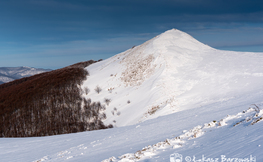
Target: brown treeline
point(49, 103)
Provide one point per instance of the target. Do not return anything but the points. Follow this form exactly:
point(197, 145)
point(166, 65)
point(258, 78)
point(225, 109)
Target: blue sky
point(56, 33)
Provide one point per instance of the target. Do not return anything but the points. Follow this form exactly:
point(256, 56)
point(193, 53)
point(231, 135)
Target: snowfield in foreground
point(202, 102)
point(212, 140)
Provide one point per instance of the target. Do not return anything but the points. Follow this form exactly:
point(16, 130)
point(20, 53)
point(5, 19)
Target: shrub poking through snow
point(107, 101)
point(98, 89)
point(114, 111)
point(103, 116)
point(153, 109)
point(256, 120)
point(253, 115)
point(86, 90)
point(138, 69)
point(110, 90)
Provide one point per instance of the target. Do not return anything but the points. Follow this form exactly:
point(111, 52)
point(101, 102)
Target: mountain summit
point(171, 72)
point(176, 38)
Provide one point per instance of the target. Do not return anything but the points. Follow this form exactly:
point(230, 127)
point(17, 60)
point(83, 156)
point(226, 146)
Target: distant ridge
point(8, 74)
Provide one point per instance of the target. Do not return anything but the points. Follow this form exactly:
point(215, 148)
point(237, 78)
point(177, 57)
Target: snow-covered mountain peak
point(166, 52)
point(171, 72)
point(171, 49)
point(177, 39)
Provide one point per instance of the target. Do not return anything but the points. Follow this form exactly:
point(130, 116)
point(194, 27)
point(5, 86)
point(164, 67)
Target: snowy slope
point(94, 146)
point(200, 101)
point(8, 74)
point(169, 73)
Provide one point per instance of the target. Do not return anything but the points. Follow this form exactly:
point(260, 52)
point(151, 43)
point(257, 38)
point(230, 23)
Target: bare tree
point(107, 101)
point(98, 89)
point(103, 116)
point(86, 90)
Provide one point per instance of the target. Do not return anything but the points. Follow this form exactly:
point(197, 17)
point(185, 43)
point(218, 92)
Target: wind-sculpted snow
point(247, 118)
point(215, 131)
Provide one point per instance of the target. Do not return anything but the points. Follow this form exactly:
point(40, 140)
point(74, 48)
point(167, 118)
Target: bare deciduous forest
point(50, 103)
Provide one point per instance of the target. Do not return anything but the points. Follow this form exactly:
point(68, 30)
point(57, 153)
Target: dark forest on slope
point(49, 103)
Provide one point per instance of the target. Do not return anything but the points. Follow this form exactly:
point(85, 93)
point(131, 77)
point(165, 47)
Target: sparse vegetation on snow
point(86, 90)
point(98, 89)
point(191, 134)
point(107, 101)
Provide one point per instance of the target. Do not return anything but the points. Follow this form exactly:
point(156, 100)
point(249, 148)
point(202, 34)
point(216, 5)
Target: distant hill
point(8, 74)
